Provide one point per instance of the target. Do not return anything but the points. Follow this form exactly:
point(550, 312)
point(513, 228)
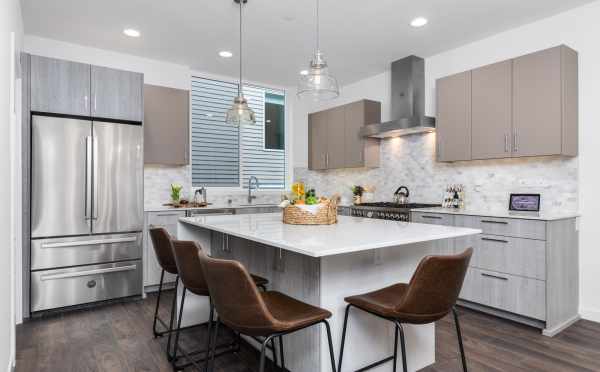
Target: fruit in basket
point(299, 202)
point(312, 200)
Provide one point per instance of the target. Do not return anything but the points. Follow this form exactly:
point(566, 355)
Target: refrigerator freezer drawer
point(51, 289)
point(87, 250)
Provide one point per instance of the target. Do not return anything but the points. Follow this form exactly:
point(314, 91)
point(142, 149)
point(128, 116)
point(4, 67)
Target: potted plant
point(176, 193)
point(357, 192)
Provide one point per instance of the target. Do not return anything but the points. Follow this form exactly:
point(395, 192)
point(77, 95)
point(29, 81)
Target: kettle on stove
point(401, 195)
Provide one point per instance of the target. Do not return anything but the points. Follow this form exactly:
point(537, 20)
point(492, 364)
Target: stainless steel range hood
point(408, 102)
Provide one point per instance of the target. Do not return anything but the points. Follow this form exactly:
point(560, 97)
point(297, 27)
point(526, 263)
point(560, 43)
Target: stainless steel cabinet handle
point(167, 214)
point(95, 178)
point(85, 99)
point(432, 217)
point(495, 240)
point(496, 222)
point(327, 160)
point(89, 242)
point(515, 142)
point(88, 272)
point(88, 176)
point(95, 106)
point(506, 142)
point(493, 276)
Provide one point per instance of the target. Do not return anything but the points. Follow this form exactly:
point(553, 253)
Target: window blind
point(227, 156)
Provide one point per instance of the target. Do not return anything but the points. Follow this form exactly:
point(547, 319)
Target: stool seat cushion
point(382, 302)
point(291, 314)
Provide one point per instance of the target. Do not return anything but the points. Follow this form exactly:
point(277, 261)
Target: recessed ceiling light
point(418, 22)
point(225, 54)
point(131, 32)
point(304, 72)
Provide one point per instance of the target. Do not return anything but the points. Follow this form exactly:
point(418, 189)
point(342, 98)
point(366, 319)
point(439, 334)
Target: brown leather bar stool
point(161, 241)
point(186, 254)
point(429, 296)
point(268, 314)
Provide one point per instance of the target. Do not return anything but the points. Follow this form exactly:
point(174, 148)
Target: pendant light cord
point(318, 31)
point(240, 84)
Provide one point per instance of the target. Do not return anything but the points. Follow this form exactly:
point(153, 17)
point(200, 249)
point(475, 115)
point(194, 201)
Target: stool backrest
point(234, 294)
point(436, 284)
point(189, 267)
point(161, 241)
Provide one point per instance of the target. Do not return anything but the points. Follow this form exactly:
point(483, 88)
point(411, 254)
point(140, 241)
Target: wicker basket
point(327, 215)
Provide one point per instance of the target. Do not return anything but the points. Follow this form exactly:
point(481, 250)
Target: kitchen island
point(321, 265)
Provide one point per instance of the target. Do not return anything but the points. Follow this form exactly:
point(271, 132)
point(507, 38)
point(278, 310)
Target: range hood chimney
point(408, 102)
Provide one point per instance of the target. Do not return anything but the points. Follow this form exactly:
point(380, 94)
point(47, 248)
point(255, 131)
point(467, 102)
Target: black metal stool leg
point(263, 348)
point(331, 354)
point(402, 345)
point(396, 332)
point(208, 337)
point(160, 285)
point(460, 341)
point(178, 329)
point(343, 338)
point(274, 350)
point(281, 353)
point(172, 321)
point(214, 346)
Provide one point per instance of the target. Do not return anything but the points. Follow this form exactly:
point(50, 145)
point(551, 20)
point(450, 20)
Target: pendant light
point(240, 112)
point(317, 83)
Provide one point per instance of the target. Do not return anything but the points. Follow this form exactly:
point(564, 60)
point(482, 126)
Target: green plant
point(358, 190)
point(176, 192)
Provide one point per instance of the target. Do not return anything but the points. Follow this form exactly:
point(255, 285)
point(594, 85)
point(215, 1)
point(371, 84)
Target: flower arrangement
point(176, 193)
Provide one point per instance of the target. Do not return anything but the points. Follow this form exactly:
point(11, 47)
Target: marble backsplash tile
point(410, 161)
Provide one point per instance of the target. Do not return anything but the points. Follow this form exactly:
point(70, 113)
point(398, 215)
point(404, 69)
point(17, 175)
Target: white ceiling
point(359, 38)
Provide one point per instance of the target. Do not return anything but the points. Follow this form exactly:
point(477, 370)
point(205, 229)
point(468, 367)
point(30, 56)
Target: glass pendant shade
point(318, 84)
point(240, 112)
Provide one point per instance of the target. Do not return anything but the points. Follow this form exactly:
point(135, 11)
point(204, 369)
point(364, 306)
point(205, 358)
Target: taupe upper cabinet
point(453, 122)
point(334, 140)
point(166, 125)
point(527, 106)
point(60, 87)
point(491, 110)
point(545, 100)
point(117, 94)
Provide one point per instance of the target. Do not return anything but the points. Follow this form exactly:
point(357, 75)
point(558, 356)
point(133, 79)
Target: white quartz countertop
point(163, 208)
point(350, 234)
point(501, 214)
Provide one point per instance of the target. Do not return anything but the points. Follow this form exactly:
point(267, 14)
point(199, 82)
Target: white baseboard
point(590, 314)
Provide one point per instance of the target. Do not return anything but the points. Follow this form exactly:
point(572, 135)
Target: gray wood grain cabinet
point(60, 87)
point(117, 94)
point(334, 140)
point(453, 122)
point(166, 125)
point(503, 108)
point(522, 269)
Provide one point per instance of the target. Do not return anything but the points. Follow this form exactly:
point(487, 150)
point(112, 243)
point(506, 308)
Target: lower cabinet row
point(522, 269)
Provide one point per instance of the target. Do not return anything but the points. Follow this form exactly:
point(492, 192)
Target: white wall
point(11, 34)
point(578, 28)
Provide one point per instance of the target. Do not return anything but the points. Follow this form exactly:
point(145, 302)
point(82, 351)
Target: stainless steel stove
point(387, 211)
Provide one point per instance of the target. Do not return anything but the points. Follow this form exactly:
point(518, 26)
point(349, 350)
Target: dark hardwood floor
point(118, 337)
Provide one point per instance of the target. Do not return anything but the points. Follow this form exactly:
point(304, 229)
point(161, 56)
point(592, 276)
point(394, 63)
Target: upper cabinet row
point(71, 88)
point(527, 106)
point(334, 139)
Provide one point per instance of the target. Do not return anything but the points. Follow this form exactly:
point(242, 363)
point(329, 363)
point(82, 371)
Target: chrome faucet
point(256, 186)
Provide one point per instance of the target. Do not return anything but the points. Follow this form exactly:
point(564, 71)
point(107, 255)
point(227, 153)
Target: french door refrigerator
point(86, 211)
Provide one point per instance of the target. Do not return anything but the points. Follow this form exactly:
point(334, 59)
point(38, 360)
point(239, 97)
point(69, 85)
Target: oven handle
point(89, 242)
point(88, 272)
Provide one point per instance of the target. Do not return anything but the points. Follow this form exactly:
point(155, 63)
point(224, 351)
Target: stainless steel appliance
point(401, 195)
point(387, 211)
point(408, 102)
point(86, 211)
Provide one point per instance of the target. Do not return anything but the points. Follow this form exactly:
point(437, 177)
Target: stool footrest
point(376, 364)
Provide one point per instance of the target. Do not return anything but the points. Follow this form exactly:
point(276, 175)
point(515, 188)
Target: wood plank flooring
point(118, 337)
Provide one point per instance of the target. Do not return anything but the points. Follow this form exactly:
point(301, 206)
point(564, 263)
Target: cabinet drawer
point(52, 289)
point(61, 252)
point(517, 256)
point(519, 295)
point(165, 218)
point(518, 228)
point(432, 218)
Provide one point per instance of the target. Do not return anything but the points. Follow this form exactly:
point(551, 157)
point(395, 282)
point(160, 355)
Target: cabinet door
point(317, 140)
point(537, 104)
point(491, 111)
point(166, 125)
point(336, 142)
point(354, 153)
point(454, 117)
point(60, 87)
point(117, 94)
point(168, 220)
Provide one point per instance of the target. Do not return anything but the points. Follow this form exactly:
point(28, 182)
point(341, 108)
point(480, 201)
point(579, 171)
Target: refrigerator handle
point(95, 179)
point(88, 176)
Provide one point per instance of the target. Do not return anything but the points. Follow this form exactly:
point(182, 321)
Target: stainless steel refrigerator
point(86, 211)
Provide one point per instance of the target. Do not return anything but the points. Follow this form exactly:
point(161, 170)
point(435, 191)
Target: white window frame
point(264, 141)
point(287, 139)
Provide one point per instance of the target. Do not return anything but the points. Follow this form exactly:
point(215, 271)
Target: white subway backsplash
point(410, 161)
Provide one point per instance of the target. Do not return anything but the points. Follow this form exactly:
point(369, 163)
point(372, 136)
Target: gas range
point(387, 210)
